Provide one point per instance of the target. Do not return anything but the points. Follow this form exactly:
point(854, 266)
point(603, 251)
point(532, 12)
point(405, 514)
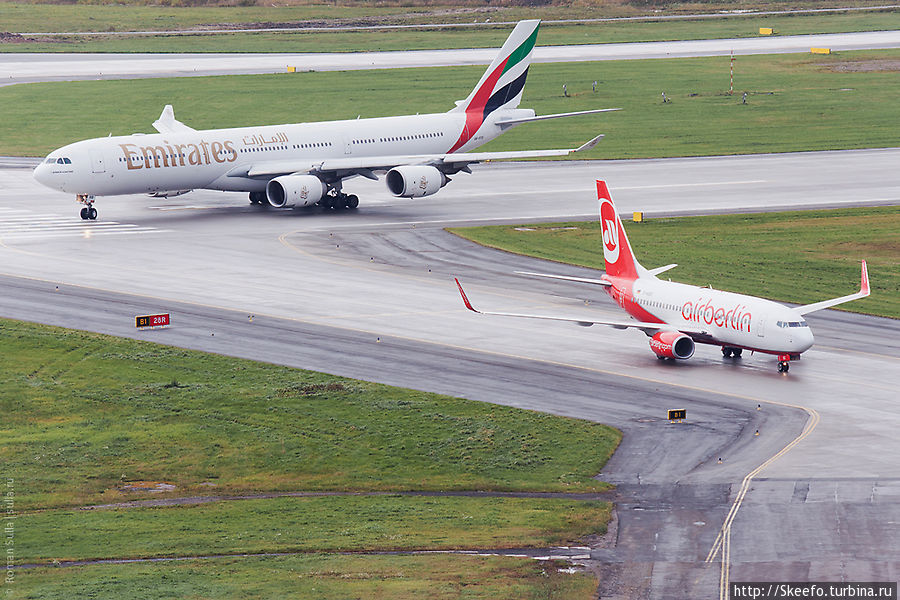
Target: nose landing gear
point(784, 362)
point(88, 213)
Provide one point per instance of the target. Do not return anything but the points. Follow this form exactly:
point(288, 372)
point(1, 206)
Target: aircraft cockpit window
point(792, 324)
point(60, 161)
point(50, 161)
point(67, 161)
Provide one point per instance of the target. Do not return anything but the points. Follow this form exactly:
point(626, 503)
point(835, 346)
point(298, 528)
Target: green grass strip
point(338, 523)
point(799, 257)
point(325, 577)
point(85, 414)
point(24, 17)
point(794, 103)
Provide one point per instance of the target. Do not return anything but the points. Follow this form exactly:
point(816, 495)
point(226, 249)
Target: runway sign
point(144, 321)
point(677, 414)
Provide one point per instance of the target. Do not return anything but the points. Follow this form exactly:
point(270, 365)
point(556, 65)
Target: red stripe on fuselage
point(475, 109)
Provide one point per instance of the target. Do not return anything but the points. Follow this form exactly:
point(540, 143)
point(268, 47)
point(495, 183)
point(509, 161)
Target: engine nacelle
point(415, 181)
point(672, 344)
point(299, 190)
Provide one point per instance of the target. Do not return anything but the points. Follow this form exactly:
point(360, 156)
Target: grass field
point(325, 577)
point(799, 257)
point(65, 18)
point(330, 524)
point(84, 414)
point(87, 416)
point(795, 102)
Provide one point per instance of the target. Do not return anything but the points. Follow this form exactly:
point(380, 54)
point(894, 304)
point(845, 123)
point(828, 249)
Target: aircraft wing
point(647, 328)
point(862, 293)
point(367, 165)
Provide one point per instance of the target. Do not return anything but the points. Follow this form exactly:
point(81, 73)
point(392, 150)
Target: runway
point(23, 68)
point(369, 294)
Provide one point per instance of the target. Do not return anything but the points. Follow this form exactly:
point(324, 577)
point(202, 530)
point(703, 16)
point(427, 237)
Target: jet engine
point(299, 190)
point(415, 181)
point(672, 344)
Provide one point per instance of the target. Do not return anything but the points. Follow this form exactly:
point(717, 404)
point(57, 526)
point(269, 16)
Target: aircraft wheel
point(726, 351)
point(783, 367)
point(92, 213)
point(85, 214)
point(352, 201)
point(736, 352)
point(658, 357)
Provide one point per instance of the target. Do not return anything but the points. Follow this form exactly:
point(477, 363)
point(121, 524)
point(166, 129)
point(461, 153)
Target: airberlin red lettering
point(177, 155)
point(703, 311)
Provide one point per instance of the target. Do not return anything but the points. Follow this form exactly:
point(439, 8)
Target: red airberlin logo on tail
point(610, 232)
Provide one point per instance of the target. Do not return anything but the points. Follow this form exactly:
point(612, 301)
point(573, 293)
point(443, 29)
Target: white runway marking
point(18, 224)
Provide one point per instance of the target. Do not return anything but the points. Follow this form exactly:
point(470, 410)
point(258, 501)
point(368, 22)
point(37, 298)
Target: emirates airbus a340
point(305, 164)
point(676, 316)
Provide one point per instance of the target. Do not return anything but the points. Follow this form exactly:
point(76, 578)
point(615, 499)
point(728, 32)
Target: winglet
point(590, 144)
point(464, 297)
point(862, 293)
point(864, 280)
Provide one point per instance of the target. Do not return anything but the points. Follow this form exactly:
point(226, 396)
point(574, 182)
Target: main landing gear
point(339, 201)
point(728, 352)
point(88, 213)
point(329, 202)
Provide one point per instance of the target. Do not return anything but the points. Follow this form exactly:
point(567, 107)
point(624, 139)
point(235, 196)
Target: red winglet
point(463, 294)
point(864, 279)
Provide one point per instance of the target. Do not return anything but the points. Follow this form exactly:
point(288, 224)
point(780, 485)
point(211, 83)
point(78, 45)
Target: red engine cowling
point(672, 344)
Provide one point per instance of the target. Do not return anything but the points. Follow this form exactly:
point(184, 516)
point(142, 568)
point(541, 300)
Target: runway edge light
point(677, 414)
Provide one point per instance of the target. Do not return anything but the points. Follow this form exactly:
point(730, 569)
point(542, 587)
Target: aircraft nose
point(40, 174)
point(805, 339)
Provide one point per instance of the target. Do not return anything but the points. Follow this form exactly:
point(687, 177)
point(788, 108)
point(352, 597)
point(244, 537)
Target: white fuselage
point(220, 159)
point(730, 319)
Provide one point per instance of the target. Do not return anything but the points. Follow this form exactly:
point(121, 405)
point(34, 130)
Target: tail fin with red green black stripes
point(502, 83)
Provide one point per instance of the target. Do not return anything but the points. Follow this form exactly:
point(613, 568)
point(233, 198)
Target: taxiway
point(23, 68)
point(369, 294)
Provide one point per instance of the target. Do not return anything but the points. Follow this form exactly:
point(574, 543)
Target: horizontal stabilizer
point(567, 278)
point(510, 122)
point(659, 270)
point(862, 293)
point(167, 123)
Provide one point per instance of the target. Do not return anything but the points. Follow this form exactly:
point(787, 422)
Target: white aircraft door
point(348, 146)
point(761, 327)
point(97, 164)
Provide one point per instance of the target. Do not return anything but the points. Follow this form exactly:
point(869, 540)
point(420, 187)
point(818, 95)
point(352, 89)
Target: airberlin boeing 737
point(676, 315)
point(305, 164)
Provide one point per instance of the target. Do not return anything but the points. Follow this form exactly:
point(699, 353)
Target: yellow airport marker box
point(637, 217)
point(292, 69)
point(766, 31)
point(820, 50)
